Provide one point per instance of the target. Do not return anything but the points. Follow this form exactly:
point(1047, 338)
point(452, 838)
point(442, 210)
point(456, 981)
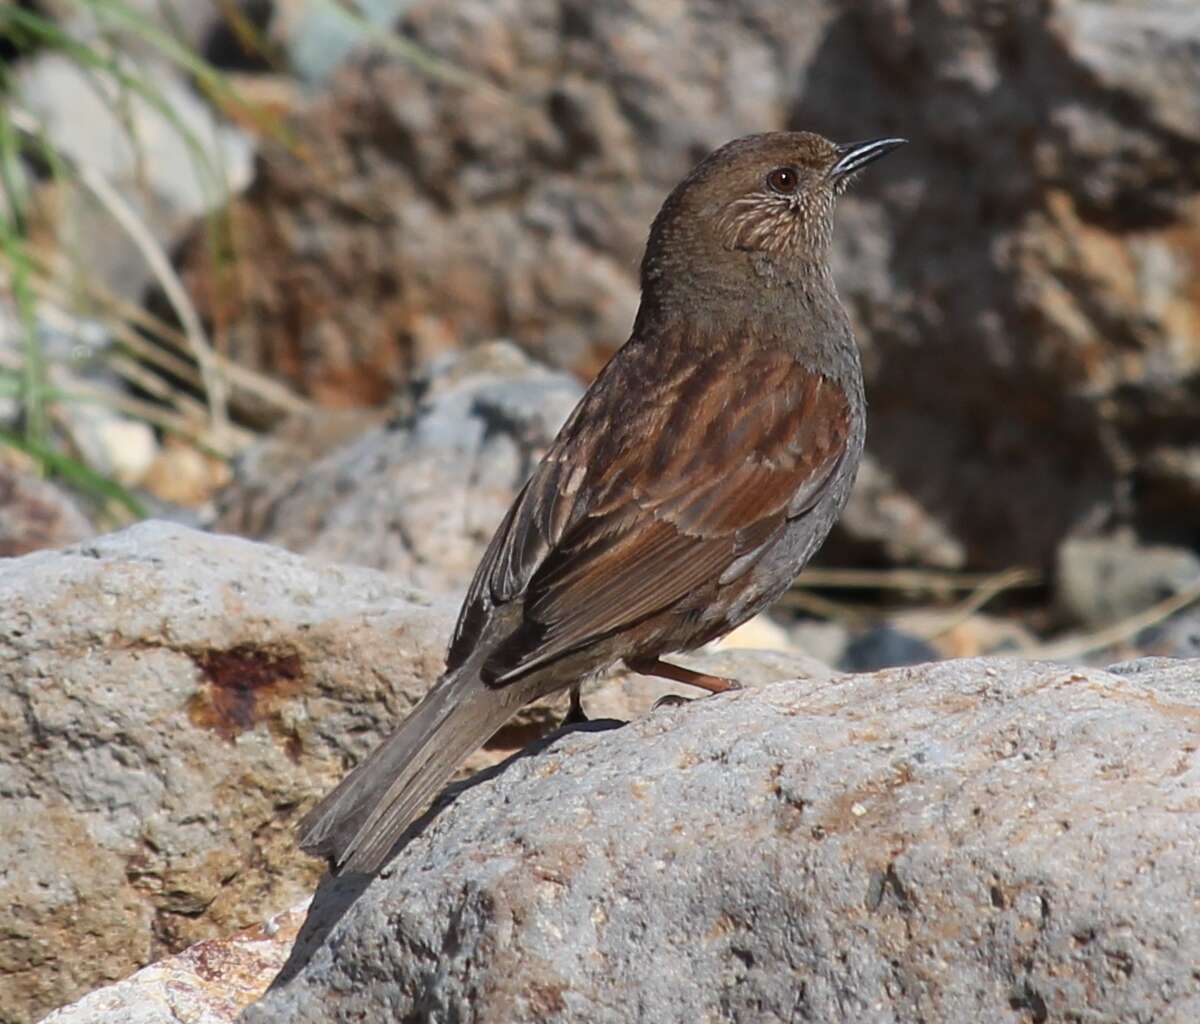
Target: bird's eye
point(783, 180)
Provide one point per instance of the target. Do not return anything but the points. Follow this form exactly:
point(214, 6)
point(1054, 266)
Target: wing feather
point(685, 480)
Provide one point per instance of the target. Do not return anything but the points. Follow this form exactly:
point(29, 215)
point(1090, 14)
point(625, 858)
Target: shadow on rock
point(336, 894)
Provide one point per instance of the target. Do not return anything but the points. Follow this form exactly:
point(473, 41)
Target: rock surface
point(318, 37)
point(170, 702)
point(1039, 240)
point(36, 514)
point(208, 983)
point(1102, 580)
point(977, 840)
point(421, 495)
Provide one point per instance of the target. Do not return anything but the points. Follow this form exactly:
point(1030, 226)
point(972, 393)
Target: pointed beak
point(854, 156)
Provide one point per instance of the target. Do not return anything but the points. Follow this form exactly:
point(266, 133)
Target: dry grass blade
point(215, 387)
point(190, 420)
point(216, 391)
point(1075, 647)
point(164, 340)
point(987, 590)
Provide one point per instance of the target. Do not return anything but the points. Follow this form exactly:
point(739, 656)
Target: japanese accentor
point(698, 474)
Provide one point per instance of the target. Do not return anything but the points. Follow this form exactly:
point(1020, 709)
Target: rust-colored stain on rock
point(243, 686)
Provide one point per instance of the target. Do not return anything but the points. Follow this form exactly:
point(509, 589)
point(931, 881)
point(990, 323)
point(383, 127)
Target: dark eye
point(783, 180)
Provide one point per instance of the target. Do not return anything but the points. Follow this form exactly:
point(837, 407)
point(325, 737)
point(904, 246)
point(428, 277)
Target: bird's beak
point(854, 156)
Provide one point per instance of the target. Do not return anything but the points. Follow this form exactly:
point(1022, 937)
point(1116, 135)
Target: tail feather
point(357, 824)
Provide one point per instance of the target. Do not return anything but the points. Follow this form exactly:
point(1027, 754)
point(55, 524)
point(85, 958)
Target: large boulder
point(170, 703)
point(977, 840)
point(208, 983)
point(1022, 275)
point(170, 700)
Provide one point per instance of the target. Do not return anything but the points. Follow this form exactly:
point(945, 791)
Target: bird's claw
point(670, 700)
point(573, 717)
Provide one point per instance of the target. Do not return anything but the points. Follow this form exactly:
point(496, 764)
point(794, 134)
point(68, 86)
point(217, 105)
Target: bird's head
point(770, 196)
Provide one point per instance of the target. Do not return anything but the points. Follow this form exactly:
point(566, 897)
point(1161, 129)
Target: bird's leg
point(575, 714)
point(654, 667)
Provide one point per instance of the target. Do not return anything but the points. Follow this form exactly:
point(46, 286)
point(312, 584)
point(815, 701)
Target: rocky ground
point(428, 263)
point(172, 700)
point(1023, 275)
point(976, 840)
point(996, 838)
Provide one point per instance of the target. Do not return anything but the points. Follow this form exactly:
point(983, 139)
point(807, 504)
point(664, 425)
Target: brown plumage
point(704, 466)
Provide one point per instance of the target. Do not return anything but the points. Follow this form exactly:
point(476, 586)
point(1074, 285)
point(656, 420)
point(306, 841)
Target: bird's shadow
point(336, 894)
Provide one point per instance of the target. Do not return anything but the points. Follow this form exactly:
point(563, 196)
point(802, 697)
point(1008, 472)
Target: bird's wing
point(654, 488)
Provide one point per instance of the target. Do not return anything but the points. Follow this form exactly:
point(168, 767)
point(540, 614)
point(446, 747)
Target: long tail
point(357, 824)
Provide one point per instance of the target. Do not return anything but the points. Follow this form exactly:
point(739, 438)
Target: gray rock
point(169, 700)
point(36, 514)
point(979, 840)
point(318, 37)
point(420, 496)
point(1102, 580)
point(1177, 637)
point(823, 639)
point(1021, 276)
point(74, 350)
point(885, 646)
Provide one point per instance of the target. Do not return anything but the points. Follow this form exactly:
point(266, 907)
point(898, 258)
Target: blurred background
point(330, 273)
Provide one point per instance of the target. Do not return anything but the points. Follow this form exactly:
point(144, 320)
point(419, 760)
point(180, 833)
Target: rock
point(115, 446)
point(181, 474)
point(822, 639)
point(1102, 580)
point(75, 350)
point(759, 633)
point(1177, 637)
point(953, 636)
point(978, 840)
point(885, 646)
point(35, 513)
point(266, 471)
point(170, 700)
point(882, 523)
point(208, 983)
point(1021, 277)
point(420, 496)
point(318, 37)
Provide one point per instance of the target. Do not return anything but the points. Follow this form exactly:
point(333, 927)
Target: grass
point(144, 352)
point(178, 383)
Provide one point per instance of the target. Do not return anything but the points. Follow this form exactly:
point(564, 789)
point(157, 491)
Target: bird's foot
point(664, 669)
point(575, 714)
point(670, 700)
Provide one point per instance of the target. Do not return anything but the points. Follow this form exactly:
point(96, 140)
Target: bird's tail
point(357, 824)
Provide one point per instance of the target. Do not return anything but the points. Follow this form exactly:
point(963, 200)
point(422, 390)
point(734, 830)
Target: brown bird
point(699, 473)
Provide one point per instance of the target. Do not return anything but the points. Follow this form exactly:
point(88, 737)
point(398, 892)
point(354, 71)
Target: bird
point(698, 474)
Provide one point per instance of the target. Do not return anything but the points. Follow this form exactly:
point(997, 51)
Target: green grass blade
point(33, 398)
point(75, 473)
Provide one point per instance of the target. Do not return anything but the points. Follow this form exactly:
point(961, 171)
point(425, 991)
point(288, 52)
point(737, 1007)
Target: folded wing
point(662, 485)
